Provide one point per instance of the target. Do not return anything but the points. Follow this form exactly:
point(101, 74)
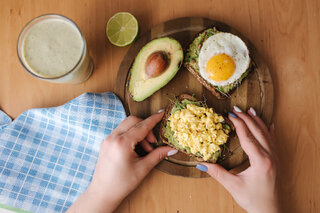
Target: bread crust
point(165, 120)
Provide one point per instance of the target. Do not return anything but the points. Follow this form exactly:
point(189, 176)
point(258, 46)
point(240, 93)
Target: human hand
point(119, 169)
point(255, 188)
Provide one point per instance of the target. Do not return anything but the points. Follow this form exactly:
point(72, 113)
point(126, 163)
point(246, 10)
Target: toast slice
point(191, 63)
point(166, 136)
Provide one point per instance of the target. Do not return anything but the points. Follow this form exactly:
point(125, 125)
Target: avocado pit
point(156, 64)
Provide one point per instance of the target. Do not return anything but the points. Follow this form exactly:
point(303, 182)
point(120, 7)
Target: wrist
point(264, 210)
point(90, 201)
point(103, 200)
point(265, 207)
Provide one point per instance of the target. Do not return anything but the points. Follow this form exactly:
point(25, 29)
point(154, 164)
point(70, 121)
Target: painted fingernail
point(253, 112)
point(202, 167)
point(160, 110)
point(237, 109)
point(232, 115)
point(172, 152)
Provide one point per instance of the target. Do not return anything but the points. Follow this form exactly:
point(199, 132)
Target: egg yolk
point(220, 67)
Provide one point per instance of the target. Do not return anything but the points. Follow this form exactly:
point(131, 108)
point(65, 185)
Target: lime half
point(122, 29)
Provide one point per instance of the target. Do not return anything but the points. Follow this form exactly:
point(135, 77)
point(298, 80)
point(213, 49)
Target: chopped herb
point(226, 126)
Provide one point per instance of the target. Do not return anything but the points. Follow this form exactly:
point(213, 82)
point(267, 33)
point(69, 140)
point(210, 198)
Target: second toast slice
point(205, 131)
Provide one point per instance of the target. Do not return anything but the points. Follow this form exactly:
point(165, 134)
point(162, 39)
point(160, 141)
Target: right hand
point(255, 188)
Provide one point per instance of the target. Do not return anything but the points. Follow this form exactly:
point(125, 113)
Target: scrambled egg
point(200, 129)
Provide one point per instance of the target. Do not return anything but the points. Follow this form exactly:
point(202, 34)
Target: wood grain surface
point(255, 91)
point(286, 34)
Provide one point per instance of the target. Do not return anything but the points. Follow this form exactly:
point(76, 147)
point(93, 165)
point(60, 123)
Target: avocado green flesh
point(140, 86)
point(169, 134)
point(192, 56)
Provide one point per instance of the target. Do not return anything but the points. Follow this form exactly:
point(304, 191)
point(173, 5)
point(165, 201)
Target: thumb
point(221, 175)
point(157, 155)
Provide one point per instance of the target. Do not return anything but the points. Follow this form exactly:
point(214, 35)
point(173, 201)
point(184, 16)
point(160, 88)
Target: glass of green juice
point(51, 47)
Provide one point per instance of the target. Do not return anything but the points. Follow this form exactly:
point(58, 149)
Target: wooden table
point(287, 34)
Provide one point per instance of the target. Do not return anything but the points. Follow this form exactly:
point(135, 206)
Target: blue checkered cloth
point(48, 156)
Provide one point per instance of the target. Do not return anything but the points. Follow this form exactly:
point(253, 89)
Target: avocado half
point(141, 86)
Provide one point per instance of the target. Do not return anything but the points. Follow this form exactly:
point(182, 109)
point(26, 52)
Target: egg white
point(230, 45)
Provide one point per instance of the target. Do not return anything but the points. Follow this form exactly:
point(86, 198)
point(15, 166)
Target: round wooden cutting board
point(256, 91)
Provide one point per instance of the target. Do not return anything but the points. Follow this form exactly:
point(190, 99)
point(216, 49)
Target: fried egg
point(223, 58)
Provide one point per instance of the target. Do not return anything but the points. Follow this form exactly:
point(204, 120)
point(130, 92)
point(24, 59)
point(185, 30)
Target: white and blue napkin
point(48, 156)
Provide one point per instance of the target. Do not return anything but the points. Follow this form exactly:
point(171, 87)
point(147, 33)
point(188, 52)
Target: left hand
point(119, 169)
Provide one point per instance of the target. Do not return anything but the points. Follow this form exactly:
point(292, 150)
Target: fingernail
point(160, 110)
point(272, 126)
point(172, 152)
point(253, 112)
point(237, 109)
point(232, 115)
point(202, 167)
